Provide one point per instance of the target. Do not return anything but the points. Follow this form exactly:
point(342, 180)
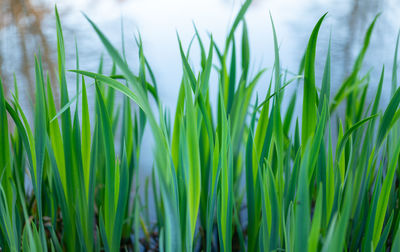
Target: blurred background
point(27, 26)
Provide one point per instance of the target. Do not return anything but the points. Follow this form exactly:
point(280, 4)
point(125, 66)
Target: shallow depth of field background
point(27, 25)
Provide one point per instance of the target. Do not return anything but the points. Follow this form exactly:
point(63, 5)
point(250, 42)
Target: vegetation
point(318, 182)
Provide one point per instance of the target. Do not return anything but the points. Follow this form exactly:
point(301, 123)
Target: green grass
point(315, 181)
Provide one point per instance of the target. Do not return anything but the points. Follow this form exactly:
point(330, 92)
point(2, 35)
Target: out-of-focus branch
point(27, 20)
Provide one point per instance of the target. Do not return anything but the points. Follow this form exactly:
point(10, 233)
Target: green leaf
point(193, 160)
point(313, 238)
point(5, 161)
point(309, 119)
point(236, 22)
point(384, 196)
point(348, 133)
point(396, 239)
point(110, 187)
point(388, 116)
point(85, 136)
point(302, 208)
point(326, 80)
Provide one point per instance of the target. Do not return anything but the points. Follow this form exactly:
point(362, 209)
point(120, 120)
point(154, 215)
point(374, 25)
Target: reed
point(304, 189)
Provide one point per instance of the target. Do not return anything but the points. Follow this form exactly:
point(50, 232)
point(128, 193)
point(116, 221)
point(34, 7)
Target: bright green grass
point(303, 189)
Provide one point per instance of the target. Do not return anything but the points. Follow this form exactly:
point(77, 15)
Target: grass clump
point(303, 189)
